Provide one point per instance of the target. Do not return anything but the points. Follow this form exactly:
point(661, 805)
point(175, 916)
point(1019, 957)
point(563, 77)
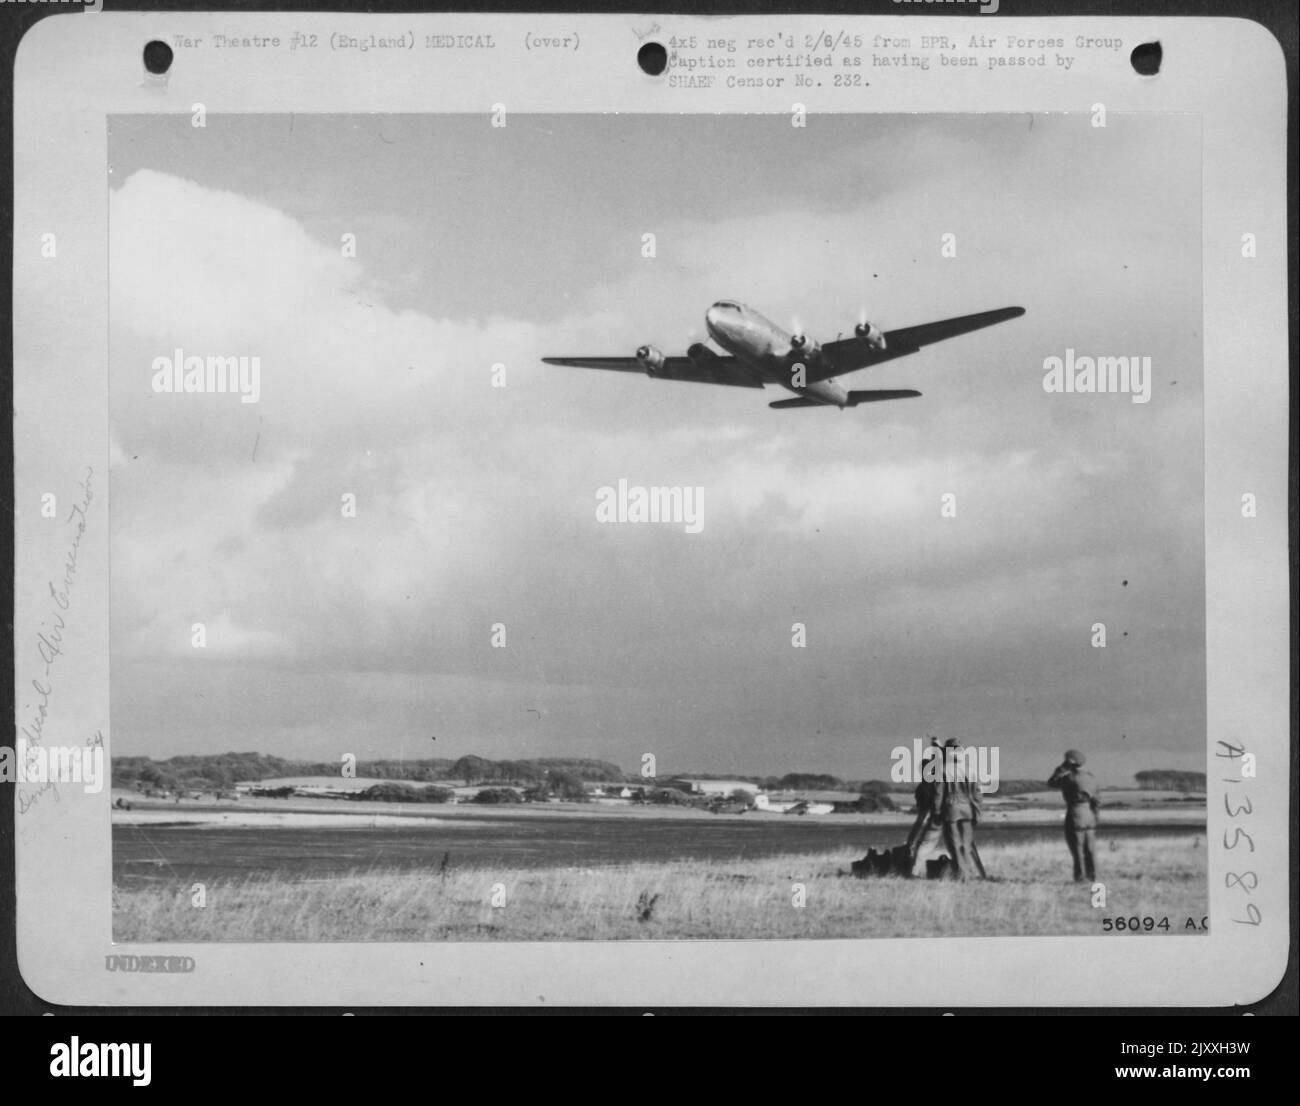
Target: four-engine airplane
point(760, 353)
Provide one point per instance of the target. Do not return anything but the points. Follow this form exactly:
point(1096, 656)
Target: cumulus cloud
point(475, 505)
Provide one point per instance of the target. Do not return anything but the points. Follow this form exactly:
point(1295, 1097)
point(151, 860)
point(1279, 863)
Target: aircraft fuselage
point(778, 355)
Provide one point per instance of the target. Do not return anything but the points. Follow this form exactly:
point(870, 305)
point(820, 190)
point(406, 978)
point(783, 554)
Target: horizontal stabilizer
point(872, 396)
point(798, 401)
point(876, 394)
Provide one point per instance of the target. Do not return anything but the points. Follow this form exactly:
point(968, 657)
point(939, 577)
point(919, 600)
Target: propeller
point(863, 327)
point(866, 330)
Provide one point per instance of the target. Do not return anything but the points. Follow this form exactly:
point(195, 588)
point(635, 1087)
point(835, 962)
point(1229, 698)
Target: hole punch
point(157, 57)
point(1146, 58)
point(652, 58)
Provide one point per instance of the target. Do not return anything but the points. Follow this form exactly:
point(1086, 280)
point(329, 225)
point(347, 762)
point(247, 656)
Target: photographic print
point(651, 511)
point(608, 527)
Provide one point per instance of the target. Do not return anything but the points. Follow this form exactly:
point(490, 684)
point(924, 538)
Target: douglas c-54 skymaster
point(762, 353)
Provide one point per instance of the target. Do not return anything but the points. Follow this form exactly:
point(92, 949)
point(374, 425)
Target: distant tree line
point(1021, 787)
point(474, 770)
point(404, 793)
point(220, 771)
point(1167, 779)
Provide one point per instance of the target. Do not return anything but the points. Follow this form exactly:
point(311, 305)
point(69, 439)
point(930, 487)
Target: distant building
point(719, 787)
point(807, 802)
point(611, 792)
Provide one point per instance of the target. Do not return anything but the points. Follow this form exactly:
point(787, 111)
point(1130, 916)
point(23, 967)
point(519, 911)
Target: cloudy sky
point(476, 505)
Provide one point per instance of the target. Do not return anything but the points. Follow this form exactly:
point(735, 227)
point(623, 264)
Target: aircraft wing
point(715, 369)
point(851, 354)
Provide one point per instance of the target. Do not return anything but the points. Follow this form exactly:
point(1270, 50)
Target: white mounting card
point(415, 601)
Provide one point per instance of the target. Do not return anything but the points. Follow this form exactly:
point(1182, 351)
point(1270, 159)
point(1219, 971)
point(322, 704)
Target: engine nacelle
point(870, 334)
point(702, 356)
point(804, 351)
point(650, 359)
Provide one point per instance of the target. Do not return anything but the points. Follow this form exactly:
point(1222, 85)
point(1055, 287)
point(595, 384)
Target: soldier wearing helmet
point(959, 810)
point(929, 795)
point(1079, 789)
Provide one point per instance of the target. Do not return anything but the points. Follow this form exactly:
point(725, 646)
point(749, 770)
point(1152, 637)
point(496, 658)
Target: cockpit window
point(727, 305)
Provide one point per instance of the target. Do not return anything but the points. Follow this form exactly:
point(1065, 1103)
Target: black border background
point(1082, 1053)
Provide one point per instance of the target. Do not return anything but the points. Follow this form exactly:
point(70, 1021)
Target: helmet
point(1073, 756)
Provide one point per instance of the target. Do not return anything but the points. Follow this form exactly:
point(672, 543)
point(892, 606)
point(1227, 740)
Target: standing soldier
point(929, 794)
point(1079, 789)
point(959, 809)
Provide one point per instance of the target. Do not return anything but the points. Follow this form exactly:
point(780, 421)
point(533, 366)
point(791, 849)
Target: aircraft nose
point(714, 317)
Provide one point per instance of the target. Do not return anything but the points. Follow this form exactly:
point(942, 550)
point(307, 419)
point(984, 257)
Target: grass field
point(1029, 893)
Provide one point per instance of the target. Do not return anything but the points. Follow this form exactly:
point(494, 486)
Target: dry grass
point(1029, 894)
